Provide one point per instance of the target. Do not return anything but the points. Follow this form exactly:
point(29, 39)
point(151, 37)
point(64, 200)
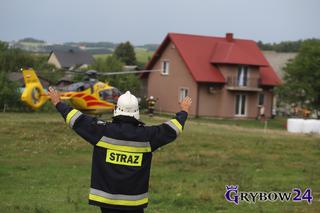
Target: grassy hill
point(99, 49)
point(45, 167)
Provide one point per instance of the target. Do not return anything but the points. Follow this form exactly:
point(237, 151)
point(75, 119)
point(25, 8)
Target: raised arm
point(169, 131)
point(84, 125)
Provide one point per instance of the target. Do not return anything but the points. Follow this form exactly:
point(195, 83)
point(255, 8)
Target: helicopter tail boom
point(34, 95)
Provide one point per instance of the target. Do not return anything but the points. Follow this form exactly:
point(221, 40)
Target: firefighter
point(262, 113)
point(151, 103)
point(122, 151)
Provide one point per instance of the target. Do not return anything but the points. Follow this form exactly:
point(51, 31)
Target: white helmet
point(127, 105)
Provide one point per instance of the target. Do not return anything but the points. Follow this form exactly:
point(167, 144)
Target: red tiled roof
point(269, 77)
point(238, 52)
point(201, 53)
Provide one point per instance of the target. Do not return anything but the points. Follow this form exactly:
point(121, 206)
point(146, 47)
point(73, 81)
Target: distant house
point(226, 77)
point(278, 60)
point(71, 59)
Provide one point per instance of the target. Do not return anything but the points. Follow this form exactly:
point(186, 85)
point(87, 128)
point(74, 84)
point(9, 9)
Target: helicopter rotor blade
point(127, 72)
point(112, 73)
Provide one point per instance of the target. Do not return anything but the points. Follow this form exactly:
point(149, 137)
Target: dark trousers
point(104, 210)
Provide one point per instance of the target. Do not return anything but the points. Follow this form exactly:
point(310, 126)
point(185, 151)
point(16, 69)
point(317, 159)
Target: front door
point(240, 106)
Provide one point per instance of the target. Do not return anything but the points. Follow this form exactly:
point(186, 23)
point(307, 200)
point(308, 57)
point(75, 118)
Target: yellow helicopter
point(92, 97)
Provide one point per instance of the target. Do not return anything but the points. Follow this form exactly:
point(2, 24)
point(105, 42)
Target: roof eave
point(159, 51)
point(239, 63)
point(206, 81)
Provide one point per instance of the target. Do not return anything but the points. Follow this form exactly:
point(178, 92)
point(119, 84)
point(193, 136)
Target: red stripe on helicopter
point(89, 98)
point(79, 95)
point(66, 95)
point(97, 104)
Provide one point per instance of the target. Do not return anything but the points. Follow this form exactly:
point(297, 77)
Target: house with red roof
point(224, 76)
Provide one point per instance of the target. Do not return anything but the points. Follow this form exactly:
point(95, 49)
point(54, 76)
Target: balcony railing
point(248, 84)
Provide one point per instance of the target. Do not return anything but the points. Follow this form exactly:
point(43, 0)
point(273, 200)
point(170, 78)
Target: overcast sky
point(148, 21)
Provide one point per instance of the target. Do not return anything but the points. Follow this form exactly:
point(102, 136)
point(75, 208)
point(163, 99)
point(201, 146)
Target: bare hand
point(54, 95)
point(185, 104)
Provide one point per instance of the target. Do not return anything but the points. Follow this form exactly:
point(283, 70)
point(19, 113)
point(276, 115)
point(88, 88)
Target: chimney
point(229, 37)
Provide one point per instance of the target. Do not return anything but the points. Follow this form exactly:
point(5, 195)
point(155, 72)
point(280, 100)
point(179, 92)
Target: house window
point(165, 68)
point(260, 99)
point(183, 92)
point(242, 77)
point(240, 108)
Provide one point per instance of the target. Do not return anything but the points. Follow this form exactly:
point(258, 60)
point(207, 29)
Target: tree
point(302, 77)
point(126, 82)
point(264, 46)
point(125, 52)
point(32, 40)
point(123, 82)
point(12, 60)
point(109, 64)
point(284, 46)
point(9, 95)
point(9, 61)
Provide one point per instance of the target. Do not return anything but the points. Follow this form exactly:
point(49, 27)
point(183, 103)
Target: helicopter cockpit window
point(106, 95)
point(115, 94)
point(74, 87)
point(110, 95)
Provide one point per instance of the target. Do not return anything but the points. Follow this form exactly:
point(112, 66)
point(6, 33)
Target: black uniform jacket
point(122, 153)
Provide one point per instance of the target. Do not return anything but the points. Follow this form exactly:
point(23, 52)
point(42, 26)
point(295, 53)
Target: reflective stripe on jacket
point(122, 153)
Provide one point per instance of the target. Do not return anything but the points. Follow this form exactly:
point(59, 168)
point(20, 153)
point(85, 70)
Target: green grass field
point(101, 56)
point(45, 167)
point(143, 55)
